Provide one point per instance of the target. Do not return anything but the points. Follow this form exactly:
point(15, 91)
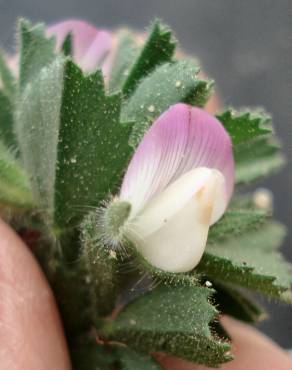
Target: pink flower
point(178, 183)
point(91, 46)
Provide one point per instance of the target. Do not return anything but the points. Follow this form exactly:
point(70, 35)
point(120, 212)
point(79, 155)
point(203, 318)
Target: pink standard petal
point(181, 139)
point(90, 45)
point(12, 62)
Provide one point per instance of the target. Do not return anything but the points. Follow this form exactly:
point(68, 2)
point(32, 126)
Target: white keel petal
point(171, 232)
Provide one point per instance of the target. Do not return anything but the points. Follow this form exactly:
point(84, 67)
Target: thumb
point(31, 335)
point(252, 350)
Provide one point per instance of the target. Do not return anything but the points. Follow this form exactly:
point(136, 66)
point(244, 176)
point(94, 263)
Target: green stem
point(102, 267)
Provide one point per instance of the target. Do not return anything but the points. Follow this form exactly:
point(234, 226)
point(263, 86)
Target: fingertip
point(31, 334)
point(252, 351)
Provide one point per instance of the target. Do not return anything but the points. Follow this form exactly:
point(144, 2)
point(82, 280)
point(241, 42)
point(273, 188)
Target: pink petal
point(181, 139)
point(12, 62)
point(90, 45)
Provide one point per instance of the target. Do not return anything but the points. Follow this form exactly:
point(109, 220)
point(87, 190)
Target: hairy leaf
point(244, 126)
point(93, 148)
point(124, 59)
point(36, 51)
point(72, 288)
point(129, 359)
point(102, 267)
point(37, 129)
point(14, 186)
point(169, 84)
point(93, 356)
point(233, 302)
point(67, 46)
point(158, 49)
point(90, 356)
point(237, 221)
point(6, 121)
point(250, 260)
point(256, 151)
point(174, 320)
point(257, 158)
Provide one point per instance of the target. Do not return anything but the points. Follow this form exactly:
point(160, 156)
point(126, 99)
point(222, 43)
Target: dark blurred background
point(246, 46)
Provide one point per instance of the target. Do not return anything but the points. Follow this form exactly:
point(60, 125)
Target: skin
point(31, 334)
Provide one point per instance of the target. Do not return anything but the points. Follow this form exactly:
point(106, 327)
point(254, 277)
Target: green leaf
point(244, 126)
point(168, 84)
point(132, 360)
point(6, 104)
point(233, 302)
point(250, 260)
point(14, 187)
point(257, 158)
point(256, 151)
point(73, 145)
point(36, 51)
point(125, 58)
point(72, 288)
point(102, 266)
point(158, 49)
point(6, 77)
point(237, 221)
point(6, 121)
point(93, 148)
point(37, 129)
point(91, 356)
point(67, 46)
point(174, 320)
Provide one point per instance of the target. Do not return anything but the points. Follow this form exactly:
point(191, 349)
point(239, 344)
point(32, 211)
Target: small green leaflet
point(37, 109)
point(158, 49)
point(7, 93)
point(67, 46)
point(244, 126)
point(236, 303)
point(237, 221)
point(250, 260)
point(168, 84)
point(102, 267)
point(174, 320)
point(6, 121)
point(69, 282)
point(90, 356)
point(132, 360)
point(257, 158)
point(37, 129)
point(93, 356)
point(36, 51)
point(256, 151)
point(14, 186)
point(125, 58)
point(93, 148)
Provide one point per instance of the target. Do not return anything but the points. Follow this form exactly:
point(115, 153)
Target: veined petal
point(181, 139)
point(171, 232)
point(90, 45)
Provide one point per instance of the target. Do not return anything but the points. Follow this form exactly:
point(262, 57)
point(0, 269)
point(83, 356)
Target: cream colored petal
point(171, 232)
